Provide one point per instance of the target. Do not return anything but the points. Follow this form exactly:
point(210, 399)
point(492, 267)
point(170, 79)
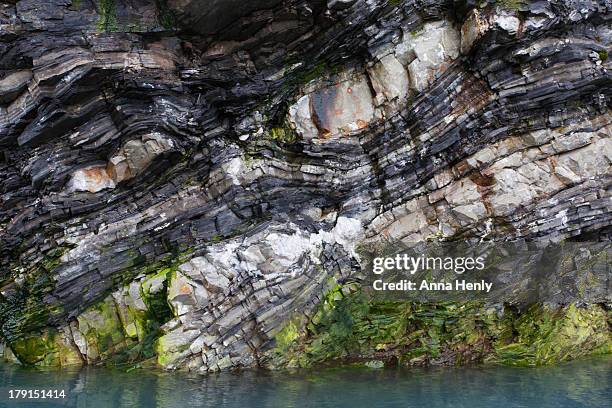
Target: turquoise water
point(577, 384)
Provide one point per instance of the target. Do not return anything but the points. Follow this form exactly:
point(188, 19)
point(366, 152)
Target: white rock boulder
point(428, 52)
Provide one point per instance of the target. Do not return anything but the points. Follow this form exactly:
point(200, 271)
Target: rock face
point(187, 182)
point(335, 110)
point(428, 52)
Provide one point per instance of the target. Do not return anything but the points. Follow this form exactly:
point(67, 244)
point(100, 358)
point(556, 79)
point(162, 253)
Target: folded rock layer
point(182, 181)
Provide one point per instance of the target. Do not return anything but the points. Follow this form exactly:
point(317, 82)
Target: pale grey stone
point(429, 52)
point(389, 79)
point(508, 23)
point(300, 118)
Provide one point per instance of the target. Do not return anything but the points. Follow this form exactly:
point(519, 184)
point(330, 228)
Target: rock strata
point(186, 182)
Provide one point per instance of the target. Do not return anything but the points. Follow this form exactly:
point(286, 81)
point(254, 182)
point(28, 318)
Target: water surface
point(577, 384)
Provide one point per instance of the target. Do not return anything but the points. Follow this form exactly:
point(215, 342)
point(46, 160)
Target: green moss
point(164, 358)
point(156, 300)
point(417, 31)
point(165, 352)
point(153, 291)
point(285, 338)
point(328, 334)
point(170, 348)
point(282, 134)
point(514, 5)
point(23, 314)
point(603, 55)
point(53, 258)
point(294, 78)
point(123, 333)
point(101, 326)
point(22, 310)
point(353, 328)
point(45, 349)
point(139, 264)
point(32, 349)
point(317, 71)
point(547, 336)
point(134, 323)
point(117, 333)
point(108, 16)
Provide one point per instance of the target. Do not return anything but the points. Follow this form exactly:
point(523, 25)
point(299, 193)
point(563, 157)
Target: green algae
point(120, 331)
point(546, 336)
point(116, 333)
point(166, 16)
point(48, 348)
point(512, 5)
point(347, 327)
point(295, 77)
point(162, 350)
point(146, 324)
point(282, 134)
point(169, 348)
point(354, 329)
point(33, 349)
point(117, 330)
point(102, 328)
point(22, 309)
point(154, 292)
point(108, 16)
point(290, 333)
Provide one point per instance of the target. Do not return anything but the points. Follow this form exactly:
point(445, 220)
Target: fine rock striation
point(188, 182)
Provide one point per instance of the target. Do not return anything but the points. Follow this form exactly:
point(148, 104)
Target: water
point(578, 384)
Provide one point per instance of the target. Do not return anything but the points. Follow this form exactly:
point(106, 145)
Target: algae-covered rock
point(174, 345)
point(102, 329)
point(154, 289)
point(34, 349)
point(548, 336)
point(355, 328)
point(131, 310)
point(122, 328)
point(51, 348)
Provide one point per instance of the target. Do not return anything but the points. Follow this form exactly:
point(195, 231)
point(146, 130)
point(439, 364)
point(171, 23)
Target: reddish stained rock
point(131, 159)
point(92, 178)
point(342, 108)
point(334, 110)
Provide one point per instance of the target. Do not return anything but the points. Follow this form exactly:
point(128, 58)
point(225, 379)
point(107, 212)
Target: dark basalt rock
point(138, 136)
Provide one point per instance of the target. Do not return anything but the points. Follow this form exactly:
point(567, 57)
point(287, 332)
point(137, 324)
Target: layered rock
point(182, 186)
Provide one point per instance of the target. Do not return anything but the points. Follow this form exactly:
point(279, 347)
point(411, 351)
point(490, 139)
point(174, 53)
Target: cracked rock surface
point(199, 172)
